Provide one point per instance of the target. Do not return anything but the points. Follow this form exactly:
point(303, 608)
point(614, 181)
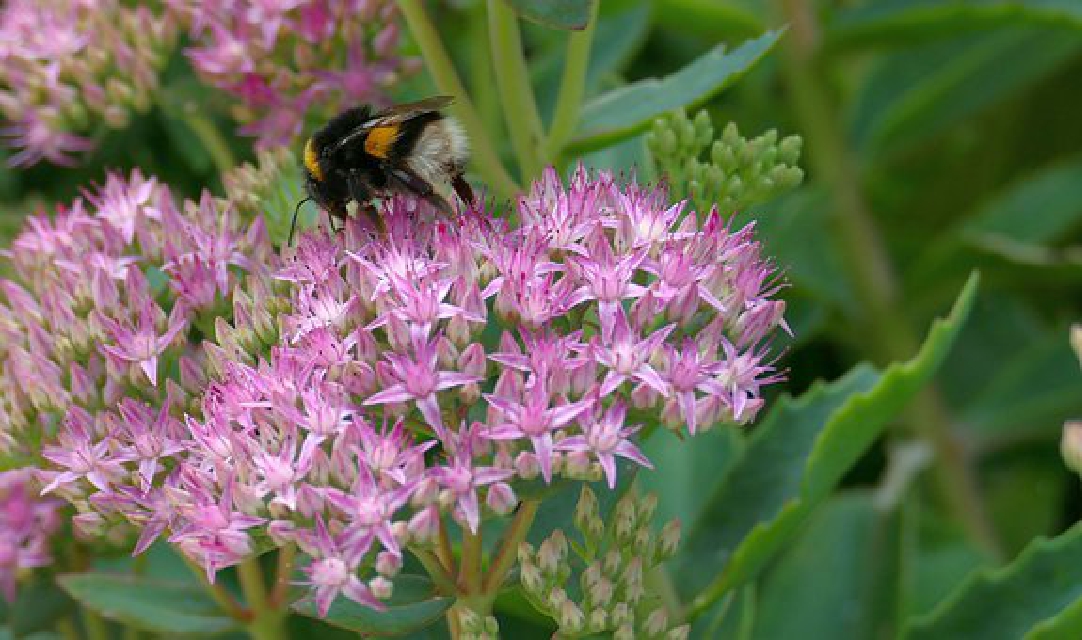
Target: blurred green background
point(940, 138)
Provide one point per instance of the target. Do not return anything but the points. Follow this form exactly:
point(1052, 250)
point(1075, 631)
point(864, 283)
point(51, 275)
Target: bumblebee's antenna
point(293, 225)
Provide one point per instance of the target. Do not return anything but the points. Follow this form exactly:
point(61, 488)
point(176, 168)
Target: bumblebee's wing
point(394, 116)
point(410, 110)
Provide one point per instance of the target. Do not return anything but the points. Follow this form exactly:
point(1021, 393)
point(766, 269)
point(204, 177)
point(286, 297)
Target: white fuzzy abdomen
point(441, 149)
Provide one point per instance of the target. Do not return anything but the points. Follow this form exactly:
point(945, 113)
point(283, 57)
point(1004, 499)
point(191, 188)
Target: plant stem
point(869, 263)
point(516, 94)
point(286, 557)
point(266, 621)
point(444, 581)
point(572, 87)
point(444, 551)
point(223, 598)
point(469, 569)
point(447, 81)
point(94, 625)
point(508, 550)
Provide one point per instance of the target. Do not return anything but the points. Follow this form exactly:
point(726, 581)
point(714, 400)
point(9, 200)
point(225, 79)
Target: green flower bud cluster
point(612, 562)
point(250, 186)
point(732, 171)
point(474, 627)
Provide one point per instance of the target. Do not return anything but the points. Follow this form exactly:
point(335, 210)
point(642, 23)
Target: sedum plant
point(462, 425)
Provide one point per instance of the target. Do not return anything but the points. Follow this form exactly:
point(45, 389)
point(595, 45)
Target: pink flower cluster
point(364, 388)
point(66, 65)
point(283, 58)
point(27, 521)
point(437, 369)
point(99, 330)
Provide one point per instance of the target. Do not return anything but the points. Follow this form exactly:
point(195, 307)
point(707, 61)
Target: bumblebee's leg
point(363, 197)
point(462, 189)
point(418, 185)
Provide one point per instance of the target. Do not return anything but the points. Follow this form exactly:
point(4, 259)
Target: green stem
point(267, 621)
point(223, 598)
point(444, 582)
point(469, 569)
point(508, 550)
point(94, 625)
point(286, 556)
point(66, 627)
point(516, 94)
point(869, 263)
point(447, 81)
point(572, 87)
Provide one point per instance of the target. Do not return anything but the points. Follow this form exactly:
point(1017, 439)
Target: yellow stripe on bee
point(311, 160)
point(379, 140)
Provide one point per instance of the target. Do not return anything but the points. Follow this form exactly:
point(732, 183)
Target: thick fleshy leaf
point(682, 467)
point(148, 604)
point(1038, 595)
point(796, 456)
point(908, 20)
point(923, 91)
point(558, 14)
point(623, 112)
point(414, 605)
point(854, 543)
point(1038, 208)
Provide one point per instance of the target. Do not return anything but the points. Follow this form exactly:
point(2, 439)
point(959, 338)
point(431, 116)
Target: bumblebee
point(363, 154)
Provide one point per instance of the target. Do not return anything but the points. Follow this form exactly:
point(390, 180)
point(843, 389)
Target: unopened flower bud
point(531, 578)
point(526, 552)
point(577, 465)
point(670, 539)
point(598, 620)
point(527, 466)
point(424, 526)
point(679, 633)
point(600, 593)
point(501, 498)
point(633, 583)
point(612, 563)
point(624, 517)
point(381, 587)
point(570, 618)
point(1071, 446)
point(646, 508)
point(586, 509)
point(622, 615)
point(657, 622)
point(388, 564)
point(557, 598)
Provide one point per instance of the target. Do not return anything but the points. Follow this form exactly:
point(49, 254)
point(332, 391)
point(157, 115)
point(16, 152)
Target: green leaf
point(1040, 208)
point(710, 18)
point(885, 21)
point(558, 14)
point(851, 541)
point(1038, 595)
point(147, 604)
point(623, 112)
point(797, 231)
point(414, 605)
point(682, 468)
point(795, 458)
point(923, 91)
